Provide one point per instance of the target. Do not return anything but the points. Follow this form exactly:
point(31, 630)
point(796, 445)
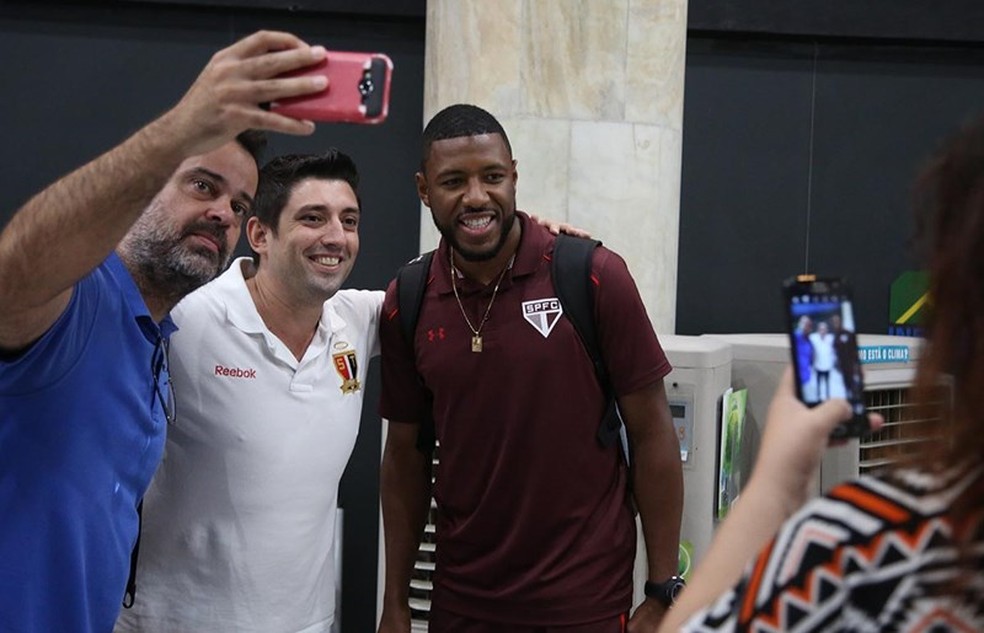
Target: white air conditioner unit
point(889, 364)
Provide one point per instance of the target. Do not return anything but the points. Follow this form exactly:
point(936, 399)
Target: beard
point(472, 255)
point(165, 264)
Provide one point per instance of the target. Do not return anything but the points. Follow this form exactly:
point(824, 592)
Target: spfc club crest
point(543, 314)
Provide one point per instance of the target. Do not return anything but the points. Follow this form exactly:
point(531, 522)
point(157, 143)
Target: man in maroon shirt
point(535, 531)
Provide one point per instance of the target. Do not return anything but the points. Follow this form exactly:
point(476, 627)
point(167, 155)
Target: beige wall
point(591, 95)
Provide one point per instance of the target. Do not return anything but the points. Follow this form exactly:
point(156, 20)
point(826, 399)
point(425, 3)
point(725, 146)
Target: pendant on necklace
point(476, 343)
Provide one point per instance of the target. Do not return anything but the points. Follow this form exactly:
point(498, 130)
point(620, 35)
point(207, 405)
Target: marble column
point(591, 95)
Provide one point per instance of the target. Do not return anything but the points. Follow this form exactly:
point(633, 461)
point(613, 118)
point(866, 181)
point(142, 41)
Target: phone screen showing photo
point(823, 341)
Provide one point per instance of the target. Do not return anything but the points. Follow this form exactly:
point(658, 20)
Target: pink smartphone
point(358, 89)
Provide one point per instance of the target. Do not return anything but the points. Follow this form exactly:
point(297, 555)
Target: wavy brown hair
point(949, 202)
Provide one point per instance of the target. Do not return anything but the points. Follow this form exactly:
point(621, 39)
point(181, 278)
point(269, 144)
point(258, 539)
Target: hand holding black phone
point(823, 340)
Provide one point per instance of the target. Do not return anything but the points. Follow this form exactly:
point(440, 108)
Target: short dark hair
point(455, 121)
point(278, 177)
point(254, 142)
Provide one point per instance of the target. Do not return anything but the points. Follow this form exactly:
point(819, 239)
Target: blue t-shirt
point(81, 433)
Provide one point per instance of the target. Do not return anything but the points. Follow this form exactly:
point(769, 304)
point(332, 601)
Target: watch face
point(666, 592)
point(675, 588)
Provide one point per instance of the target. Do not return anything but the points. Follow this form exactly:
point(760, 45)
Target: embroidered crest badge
point(543, 314)
point(347, 366)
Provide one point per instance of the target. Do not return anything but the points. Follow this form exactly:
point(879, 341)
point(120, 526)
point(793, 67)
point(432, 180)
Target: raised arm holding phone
point(89, 269)
point(76, 222)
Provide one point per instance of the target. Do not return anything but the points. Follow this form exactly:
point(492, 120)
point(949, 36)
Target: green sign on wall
point(907, 303)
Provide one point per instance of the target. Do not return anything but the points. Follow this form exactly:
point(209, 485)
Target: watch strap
point(667, 591)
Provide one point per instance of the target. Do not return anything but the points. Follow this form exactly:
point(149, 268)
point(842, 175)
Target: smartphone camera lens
point(366, 86)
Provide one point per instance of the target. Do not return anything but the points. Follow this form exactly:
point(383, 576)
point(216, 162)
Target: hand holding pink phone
point(358, 90)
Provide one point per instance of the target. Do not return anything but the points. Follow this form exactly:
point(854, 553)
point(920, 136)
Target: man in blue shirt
point(89, 269)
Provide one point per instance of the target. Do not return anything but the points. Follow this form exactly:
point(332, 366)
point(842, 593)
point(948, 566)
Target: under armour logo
point(433, 335)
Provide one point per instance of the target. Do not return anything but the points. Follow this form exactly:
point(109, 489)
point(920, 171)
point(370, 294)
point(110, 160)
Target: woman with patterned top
point(902, 550)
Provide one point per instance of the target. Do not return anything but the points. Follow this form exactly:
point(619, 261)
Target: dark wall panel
point(746, 147)
point(79, 78)
point(411, 8)
point(880, 114)
point(951, 21)
point(761, 201)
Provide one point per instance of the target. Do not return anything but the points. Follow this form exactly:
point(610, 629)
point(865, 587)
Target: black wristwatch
point(666, 591)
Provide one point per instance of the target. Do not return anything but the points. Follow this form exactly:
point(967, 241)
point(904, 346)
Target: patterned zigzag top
point(873, 555)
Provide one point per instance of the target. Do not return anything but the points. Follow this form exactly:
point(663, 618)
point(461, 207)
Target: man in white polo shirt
point(268, 370)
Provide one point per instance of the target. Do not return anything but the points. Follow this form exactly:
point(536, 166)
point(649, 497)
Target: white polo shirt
point(238, 523)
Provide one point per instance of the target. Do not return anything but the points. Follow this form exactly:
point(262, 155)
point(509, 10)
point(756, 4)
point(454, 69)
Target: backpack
point(570, 270)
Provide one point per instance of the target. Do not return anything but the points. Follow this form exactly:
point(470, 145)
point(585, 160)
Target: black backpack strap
point(411, 282)
point(571, 272)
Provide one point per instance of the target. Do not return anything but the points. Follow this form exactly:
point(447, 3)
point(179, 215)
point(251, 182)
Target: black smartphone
point(824, 345)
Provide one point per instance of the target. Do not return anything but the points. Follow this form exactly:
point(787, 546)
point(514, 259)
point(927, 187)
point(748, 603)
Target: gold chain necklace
point(476, 342)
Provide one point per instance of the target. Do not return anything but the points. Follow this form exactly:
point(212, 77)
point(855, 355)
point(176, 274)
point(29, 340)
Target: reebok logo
point(235, 372)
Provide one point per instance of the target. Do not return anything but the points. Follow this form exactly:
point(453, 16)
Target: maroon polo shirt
point(533, 526)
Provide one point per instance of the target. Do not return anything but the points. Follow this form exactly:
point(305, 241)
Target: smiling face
point(469, 183)
point(317, 240)
point(187, 234)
